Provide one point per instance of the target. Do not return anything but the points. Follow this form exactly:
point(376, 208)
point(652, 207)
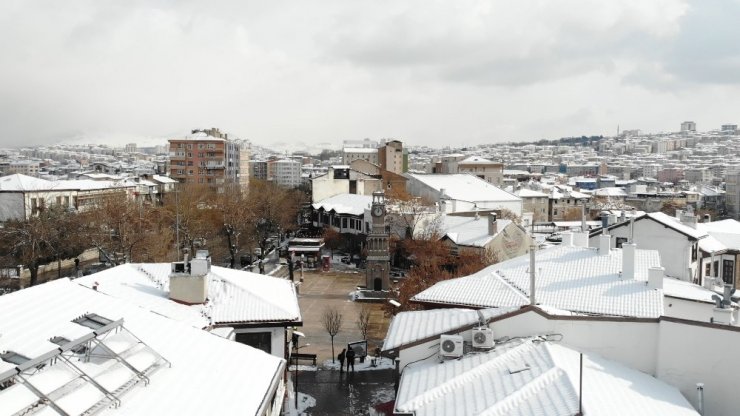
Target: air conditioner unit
point(451, 346)
point(482, 337)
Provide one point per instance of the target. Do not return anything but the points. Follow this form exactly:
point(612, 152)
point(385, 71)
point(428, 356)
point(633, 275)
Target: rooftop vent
point(189, 279)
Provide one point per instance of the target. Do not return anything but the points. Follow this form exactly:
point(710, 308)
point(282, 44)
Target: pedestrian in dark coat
point(351, 359)
point(340, 357)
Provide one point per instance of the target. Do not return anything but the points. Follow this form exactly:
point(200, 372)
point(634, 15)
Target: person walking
point(340, 357)
point(351, 359)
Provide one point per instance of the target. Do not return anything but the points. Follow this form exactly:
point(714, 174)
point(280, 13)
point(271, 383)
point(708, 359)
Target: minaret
point(378, 258)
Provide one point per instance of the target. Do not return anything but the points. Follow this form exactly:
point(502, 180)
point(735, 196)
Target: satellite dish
point(448, 346)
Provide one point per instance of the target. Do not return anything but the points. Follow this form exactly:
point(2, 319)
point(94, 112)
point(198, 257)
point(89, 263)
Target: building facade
point(208, 157)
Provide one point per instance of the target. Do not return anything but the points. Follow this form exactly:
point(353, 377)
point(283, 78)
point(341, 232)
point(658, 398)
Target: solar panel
point(109, 361)
point(14, 358)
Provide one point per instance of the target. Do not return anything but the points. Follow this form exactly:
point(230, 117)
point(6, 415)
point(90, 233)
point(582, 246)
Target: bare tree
point(332, 320)
point(47, 236)
point(363, 321)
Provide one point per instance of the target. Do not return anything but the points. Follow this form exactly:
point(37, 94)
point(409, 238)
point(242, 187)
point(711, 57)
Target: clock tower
point(378, 258)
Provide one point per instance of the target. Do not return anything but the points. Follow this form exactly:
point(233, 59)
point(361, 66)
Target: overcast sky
point(427, 72)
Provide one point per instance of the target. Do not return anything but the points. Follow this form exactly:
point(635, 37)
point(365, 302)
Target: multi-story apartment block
point(258, 169)
point(391, 157)
point(208, 157)
point(485, 169)
point(369, 154)
point(24, 167)
point(284, 172)
point(387, 154)
point(688, 126)
point(732, 192)
point(701, 175)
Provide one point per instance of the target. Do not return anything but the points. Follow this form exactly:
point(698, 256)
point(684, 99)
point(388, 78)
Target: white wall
point(11, 206)
point(674, 247)
point(691, 310)
point(326, 186)
point(679, 354)
point(691, 354)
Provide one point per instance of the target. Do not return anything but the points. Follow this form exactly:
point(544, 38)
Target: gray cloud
point(425, 71)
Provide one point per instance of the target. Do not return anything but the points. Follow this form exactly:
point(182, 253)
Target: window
point(707, 269)
point(716, 268)
point(260, 340)
point(620, 241)
point(728, 271)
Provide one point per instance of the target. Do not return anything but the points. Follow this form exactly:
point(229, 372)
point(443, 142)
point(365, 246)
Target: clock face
point(378, 211)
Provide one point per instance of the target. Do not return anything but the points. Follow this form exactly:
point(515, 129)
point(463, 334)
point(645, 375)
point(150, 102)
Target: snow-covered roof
point(208, 375)
point(675, 223)
point(529, 193)
point(359, 150)
point(559, 192)
point(464, 187)
point(576, 279)
point(408, 327)
point(23, 183)
point(547, 384)
point(666, 220)
point(475, 160)
point(234, 296)
point(470, 231)
point(163, 179)
point(613, 192)
point(345, 204)
point(676, 288)
point(20, 182)
point(723, 235)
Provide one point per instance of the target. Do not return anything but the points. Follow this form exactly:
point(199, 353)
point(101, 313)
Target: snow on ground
point(303, 368)
point(383, 363)
point(305, 402)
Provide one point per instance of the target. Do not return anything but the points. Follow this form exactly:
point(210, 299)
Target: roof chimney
point(584, 228)
point(532, 274)
point(628, 261)
point(604, 220)
point(189, 280)
point(707, 218)
point(492, 224)
point(605, 244)
point(688, 218)
point(655, 277)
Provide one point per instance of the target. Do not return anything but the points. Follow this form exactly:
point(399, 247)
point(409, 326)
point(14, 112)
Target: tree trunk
point(33, 268)
point(332, 350)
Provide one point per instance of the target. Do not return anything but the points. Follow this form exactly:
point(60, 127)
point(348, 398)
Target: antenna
point(580, 388)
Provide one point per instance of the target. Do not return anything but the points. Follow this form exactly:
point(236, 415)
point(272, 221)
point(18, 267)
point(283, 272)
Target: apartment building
point(284, 172)
point(209, 157)
point(386, 154)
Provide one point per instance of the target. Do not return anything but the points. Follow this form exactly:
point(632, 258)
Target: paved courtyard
point(321, 290)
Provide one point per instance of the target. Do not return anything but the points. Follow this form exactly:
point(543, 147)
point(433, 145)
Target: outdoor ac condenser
point(482, 337)
point(451, 346)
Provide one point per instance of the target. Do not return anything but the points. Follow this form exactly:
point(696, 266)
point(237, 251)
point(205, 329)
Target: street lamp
point(296, 336)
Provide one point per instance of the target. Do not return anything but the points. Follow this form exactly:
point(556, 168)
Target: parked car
point(345, 259)
point(554, 238)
